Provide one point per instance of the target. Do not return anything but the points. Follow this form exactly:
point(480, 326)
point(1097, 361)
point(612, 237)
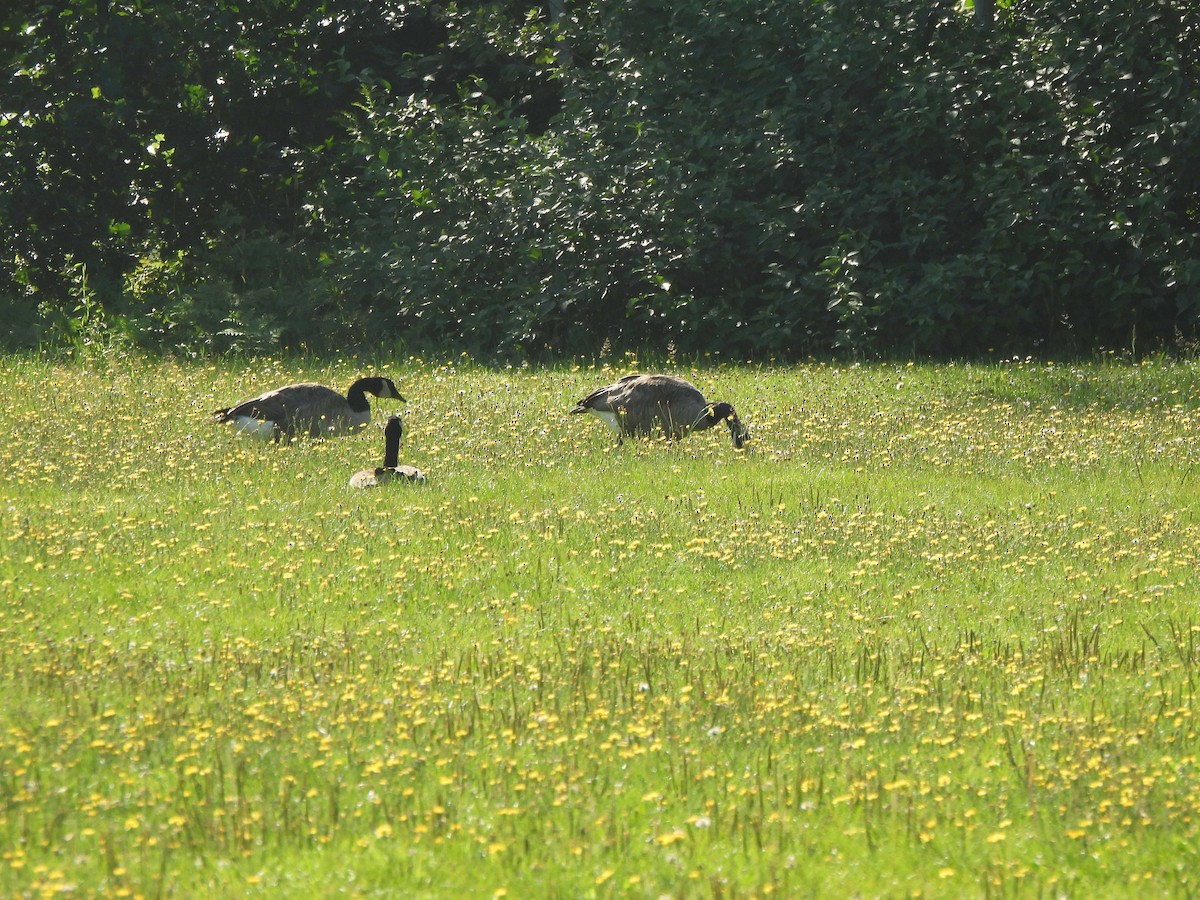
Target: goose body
point(641, 405)
point(390, 471)
point(307, 408)
point(369, 478)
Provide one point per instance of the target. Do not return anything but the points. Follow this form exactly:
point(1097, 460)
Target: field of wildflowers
point(934, 633)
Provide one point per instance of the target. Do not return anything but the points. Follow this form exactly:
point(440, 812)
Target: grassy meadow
point(933, 633)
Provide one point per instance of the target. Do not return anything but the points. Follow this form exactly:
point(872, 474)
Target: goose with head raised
point(307, 408)
point(390, 471)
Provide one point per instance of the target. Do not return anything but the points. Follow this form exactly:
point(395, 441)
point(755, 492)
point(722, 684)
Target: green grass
point(934, 633)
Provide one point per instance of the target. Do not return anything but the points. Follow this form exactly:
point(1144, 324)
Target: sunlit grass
point(935, 632)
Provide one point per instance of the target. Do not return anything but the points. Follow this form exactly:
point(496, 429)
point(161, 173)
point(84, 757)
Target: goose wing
point(367, 478)
point(661, 401)
point(608, 398)
point(409, 473)
point(286, 404)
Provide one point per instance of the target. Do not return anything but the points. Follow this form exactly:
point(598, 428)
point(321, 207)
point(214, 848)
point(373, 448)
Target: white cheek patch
point(260, 429)
point(611, 419)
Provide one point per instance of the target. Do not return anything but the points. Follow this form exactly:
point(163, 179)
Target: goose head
point(722, 411)
point(382, 387)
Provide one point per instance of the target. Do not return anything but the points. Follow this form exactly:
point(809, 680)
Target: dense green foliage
point(768, 178)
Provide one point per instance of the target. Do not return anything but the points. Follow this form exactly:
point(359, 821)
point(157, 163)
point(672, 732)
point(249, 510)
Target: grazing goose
point(389, 471)
point(307, 408)
point(638, 404)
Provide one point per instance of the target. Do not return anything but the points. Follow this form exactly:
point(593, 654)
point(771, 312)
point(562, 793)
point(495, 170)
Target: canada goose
point(389, 471)
point(307, 408)
point(636, 404)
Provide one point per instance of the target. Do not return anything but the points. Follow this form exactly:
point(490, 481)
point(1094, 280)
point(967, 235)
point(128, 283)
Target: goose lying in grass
point(307, 408)
point(638, 405)
point(389, 471)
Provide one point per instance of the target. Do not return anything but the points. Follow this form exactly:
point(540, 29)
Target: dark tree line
point(760, 178)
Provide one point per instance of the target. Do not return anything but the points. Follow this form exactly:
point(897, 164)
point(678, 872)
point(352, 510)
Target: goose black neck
point(357, 395)
point(391, 442)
